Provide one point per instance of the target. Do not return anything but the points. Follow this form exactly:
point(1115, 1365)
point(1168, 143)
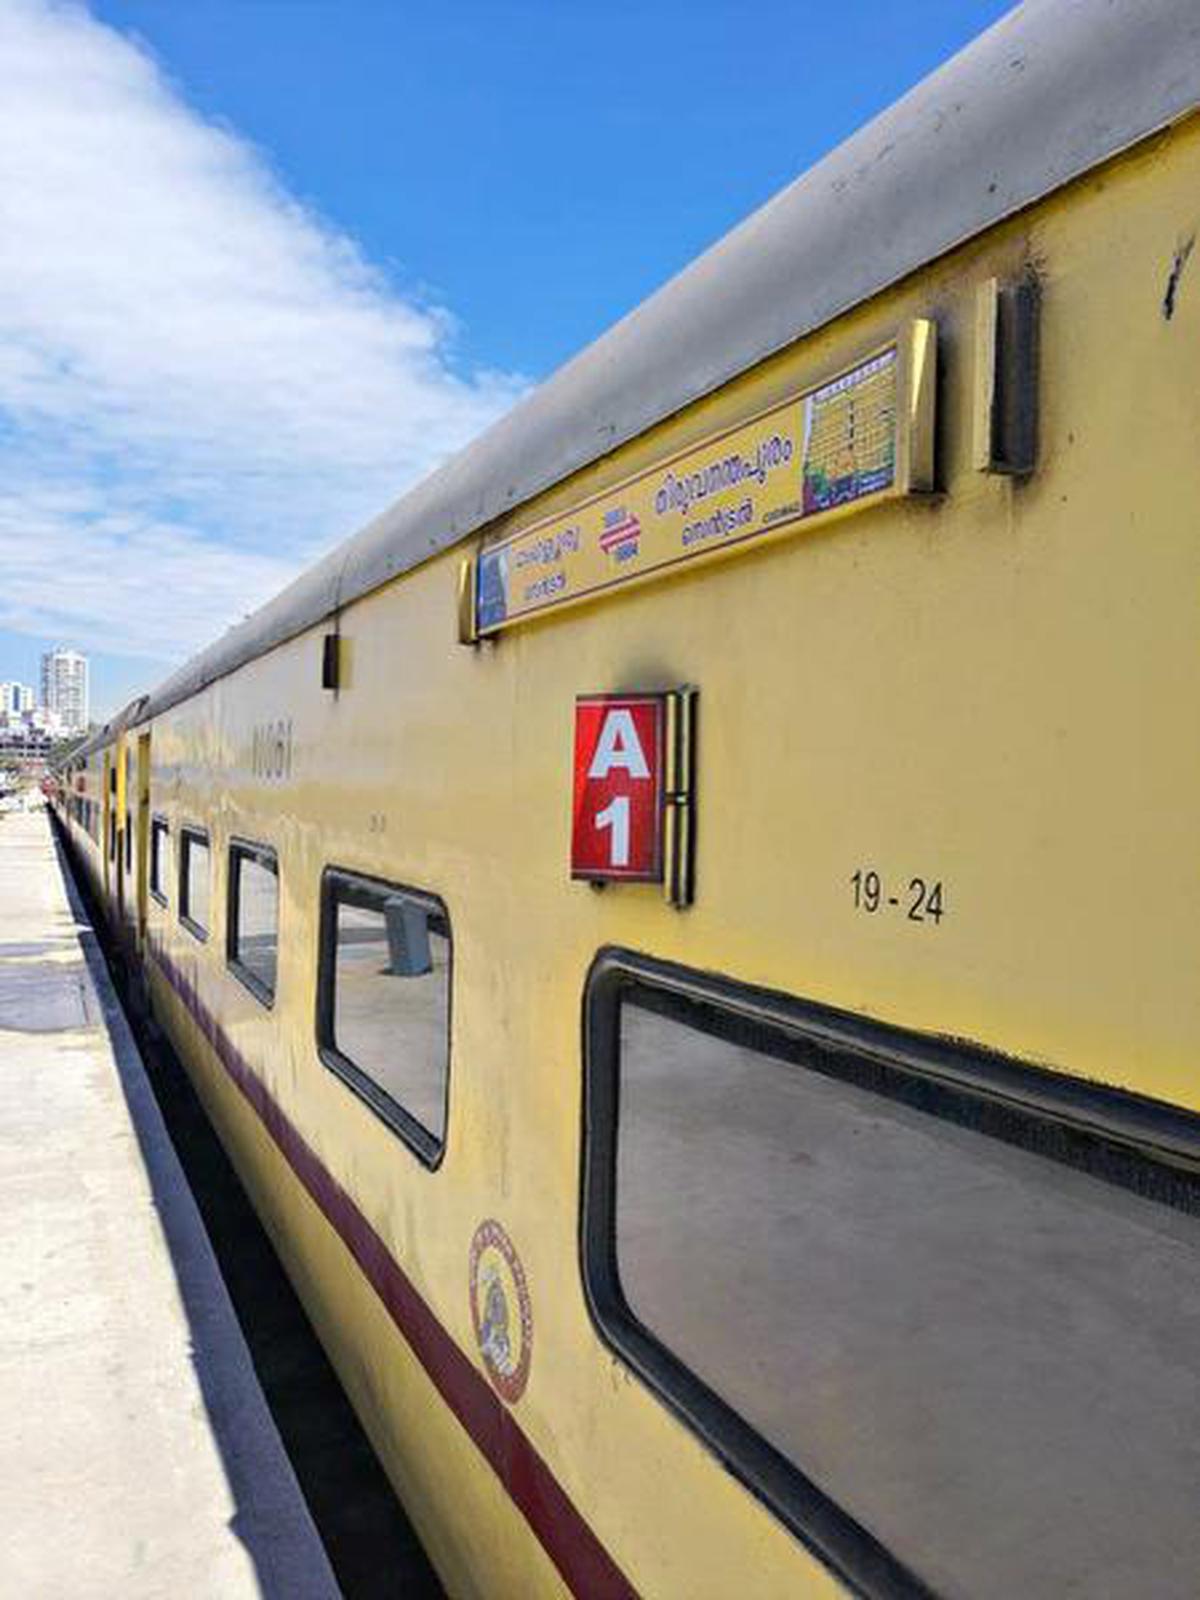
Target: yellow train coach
point(689, 924)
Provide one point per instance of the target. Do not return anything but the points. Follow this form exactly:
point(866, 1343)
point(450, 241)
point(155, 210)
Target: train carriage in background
point(814, 1209)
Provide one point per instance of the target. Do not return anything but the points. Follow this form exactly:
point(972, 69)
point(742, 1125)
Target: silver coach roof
point(1053, 89)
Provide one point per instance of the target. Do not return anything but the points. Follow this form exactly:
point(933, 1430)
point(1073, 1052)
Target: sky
point(265, 263)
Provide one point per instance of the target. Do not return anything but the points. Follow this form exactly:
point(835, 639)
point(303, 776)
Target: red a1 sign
point(618, 818)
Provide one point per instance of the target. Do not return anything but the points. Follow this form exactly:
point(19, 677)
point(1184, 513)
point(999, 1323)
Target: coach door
point(121, 831)
point(108, 832)
point(142, 878)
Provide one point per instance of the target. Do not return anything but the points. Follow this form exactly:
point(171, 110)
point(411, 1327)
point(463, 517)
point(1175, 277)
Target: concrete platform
point(137, 1456)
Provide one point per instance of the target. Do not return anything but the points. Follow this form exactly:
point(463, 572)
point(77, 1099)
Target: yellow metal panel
point(984, 398)
point(916, 437)
point(988, 689)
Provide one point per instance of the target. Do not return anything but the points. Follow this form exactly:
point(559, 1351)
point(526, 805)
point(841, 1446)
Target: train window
point(940, 1311)
point(383, 1018)
point(128, 843)
point(194, 889)
point(160, 858)
point(253, 921)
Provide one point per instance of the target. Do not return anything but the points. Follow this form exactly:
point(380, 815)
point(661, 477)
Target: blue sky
point(279, 257)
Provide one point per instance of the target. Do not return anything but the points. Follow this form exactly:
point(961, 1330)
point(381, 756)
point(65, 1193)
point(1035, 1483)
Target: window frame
point(266, 856)
point(429, 1150)
point(160, 826)
point(1127, 1139)
point(191, 833)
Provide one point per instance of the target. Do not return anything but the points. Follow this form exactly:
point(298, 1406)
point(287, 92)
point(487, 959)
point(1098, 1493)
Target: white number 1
point(616, 817)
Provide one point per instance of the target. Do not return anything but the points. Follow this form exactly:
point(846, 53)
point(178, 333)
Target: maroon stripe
point(586, 1566)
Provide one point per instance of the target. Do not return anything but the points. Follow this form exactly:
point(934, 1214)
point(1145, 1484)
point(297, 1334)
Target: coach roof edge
point(1050, 91)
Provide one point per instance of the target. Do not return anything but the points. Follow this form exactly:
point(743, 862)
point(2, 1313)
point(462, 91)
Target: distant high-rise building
point(65, 688)
point(15, 699)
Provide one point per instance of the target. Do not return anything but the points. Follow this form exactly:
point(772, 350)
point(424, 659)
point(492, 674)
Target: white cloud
point(80, 563)
point(201, 382)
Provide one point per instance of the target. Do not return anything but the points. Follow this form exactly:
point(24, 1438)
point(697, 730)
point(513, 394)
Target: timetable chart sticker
point(617, 826)
point(850, 436)
point(844, 443)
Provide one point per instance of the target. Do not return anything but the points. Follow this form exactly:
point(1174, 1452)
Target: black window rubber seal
point(265, 855)
point(341, 886)
point(1132, 1141)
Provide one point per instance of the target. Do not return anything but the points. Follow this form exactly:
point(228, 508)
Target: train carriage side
point(835, 1232)
point(78, 799)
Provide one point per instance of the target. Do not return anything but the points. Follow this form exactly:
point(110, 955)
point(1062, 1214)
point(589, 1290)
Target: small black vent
point(1015, 408)
point(329, 661)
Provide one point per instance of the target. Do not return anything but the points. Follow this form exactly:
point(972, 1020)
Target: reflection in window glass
point(388, 1018)
point(990, 1360)
point(160, 858)
point(254, 916)
point(193, 880)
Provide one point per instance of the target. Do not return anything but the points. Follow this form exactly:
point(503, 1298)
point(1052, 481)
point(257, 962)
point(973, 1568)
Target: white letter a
point(619, 746)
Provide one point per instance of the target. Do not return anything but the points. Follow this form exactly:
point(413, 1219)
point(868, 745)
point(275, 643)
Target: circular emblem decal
point(501, 1310)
